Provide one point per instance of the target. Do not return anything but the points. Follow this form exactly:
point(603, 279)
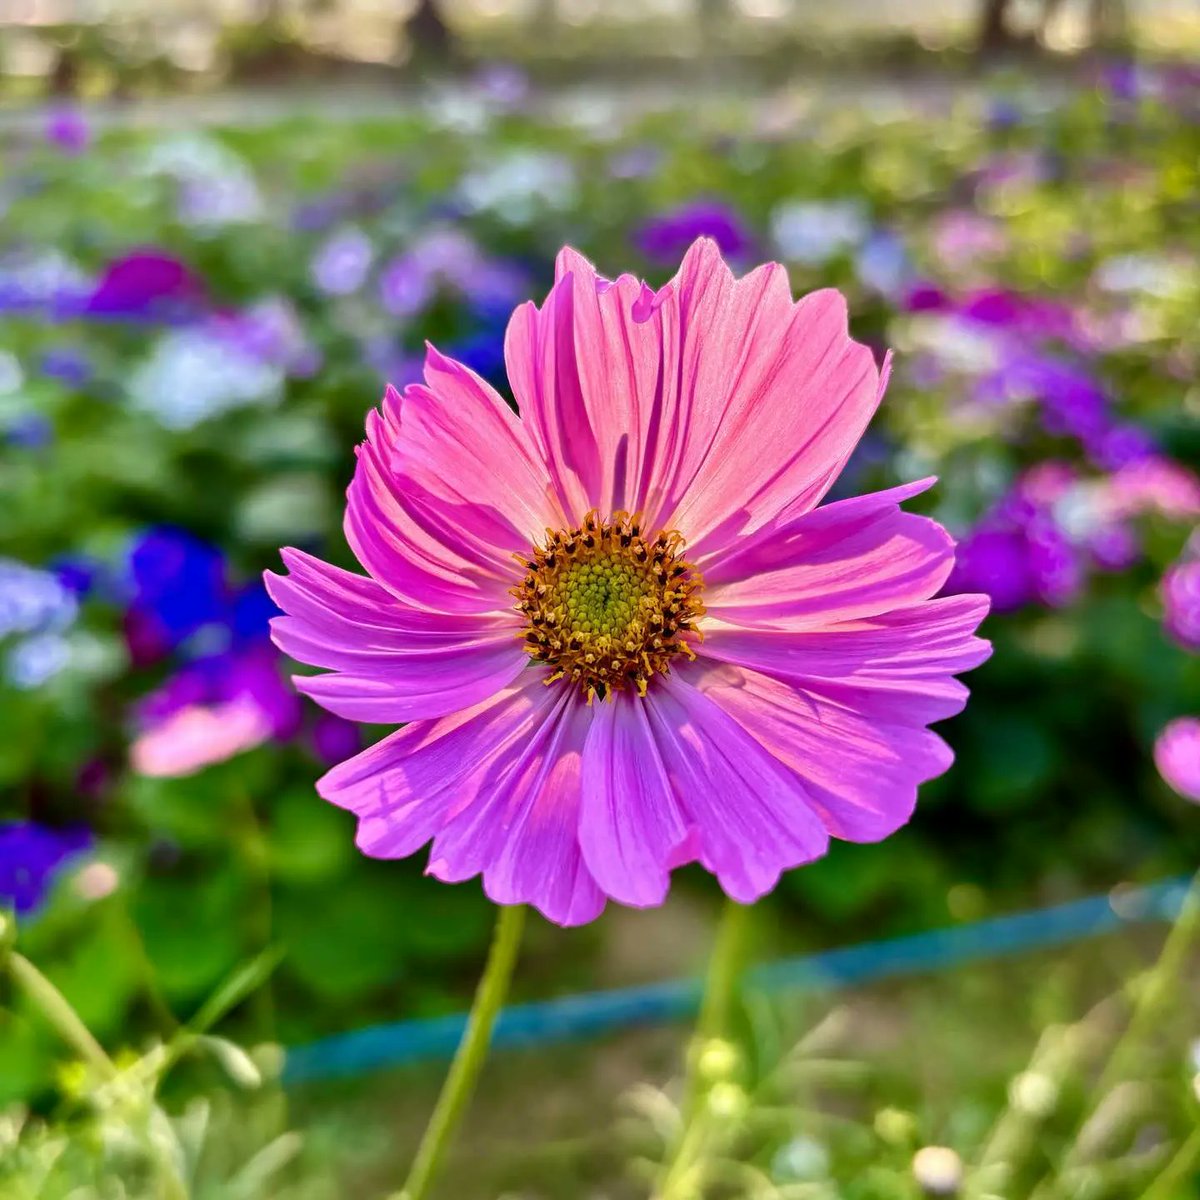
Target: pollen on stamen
point(607, 608)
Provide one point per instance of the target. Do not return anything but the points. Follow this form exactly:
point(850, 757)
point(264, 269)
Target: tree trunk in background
point(429, 35)
point(994, 33)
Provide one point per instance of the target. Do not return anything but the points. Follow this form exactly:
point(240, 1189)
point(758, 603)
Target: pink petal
point(389, 661)
point(447, 488)
point(893, 667)
point(856, 558)
point(778, 397)
point(711, 406)
point(496, 786)
point(516, 822)
point(860, 774)
point(671, 778)
point(631, 826)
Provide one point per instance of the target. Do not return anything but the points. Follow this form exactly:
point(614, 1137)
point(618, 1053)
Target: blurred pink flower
point(198, 736)
point(1177, 756)
point(213, 709)
point(1181, 603)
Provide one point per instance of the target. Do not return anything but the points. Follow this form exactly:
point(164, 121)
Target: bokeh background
point(226, 225)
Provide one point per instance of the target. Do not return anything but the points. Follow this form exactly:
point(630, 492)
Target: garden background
point(225, 228)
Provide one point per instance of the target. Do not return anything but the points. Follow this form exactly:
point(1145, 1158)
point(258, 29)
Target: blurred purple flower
point(1119, 445)
point(29, 431)
point(67, 128)
point(78, 573)
point(503, 85)
point(31, 856)
point(146, 283)
point(251, 613)
point(67, 364)
point(405, 287)
point(448, 259)
point(1181, 604)
point(341, 263)
point(994, 561)
point(635, 162)
point(665, 238)
point(1177, 756)
point(1114, 547)
point(335, 739)
point(270, 331)
point(1020, 554)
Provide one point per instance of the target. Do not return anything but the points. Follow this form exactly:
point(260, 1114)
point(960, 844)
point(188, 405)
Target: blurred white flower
point(193, 374)
point(33, 601)
point(519, 186)
point(938, 1170)
point(801, 1160)
point(37, 659)
point(1150, 274)
point(97, 880)
point(216, 186)
point(812, 232)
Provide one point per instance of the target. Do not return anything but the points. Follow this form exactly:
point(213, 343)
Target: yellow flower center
point(607, 607)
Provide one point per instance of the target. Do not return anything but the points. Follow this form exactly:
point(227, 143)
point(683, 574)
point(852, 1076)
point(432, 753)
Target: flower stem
point(1179, 1169)
point(472, 1050)
point(58, 1013)
point(1156, 987)
point(715, 1021)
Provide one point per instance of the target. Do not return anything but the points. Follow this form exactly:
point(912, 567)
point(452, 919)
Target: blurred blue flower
point(883, 264)
point(78, 573)
point(31, 855)
point(176, 583)
point(483, 352)
point(252, 612)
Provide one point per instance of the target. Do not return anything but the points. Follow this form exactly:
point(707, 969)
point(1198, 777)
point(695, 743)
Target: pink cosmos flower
point(1177, 756)
point(622, 633)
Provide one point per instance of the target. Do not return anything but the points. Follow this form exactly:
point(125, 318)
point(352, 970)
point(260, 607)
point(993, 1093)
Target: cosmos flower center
point(607, 607)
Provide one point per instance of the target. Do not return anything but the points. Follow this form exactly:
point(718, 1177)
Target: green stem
point(717, 1006)
point(724, 972)
point(58, 1013)
point(1179, 1169)
point(1157, 986)
point(472, 1050)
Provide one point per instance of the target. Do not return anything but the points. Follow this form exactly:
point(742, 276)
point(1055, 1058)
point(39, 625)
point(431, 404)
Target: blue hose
point(591, 1013)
